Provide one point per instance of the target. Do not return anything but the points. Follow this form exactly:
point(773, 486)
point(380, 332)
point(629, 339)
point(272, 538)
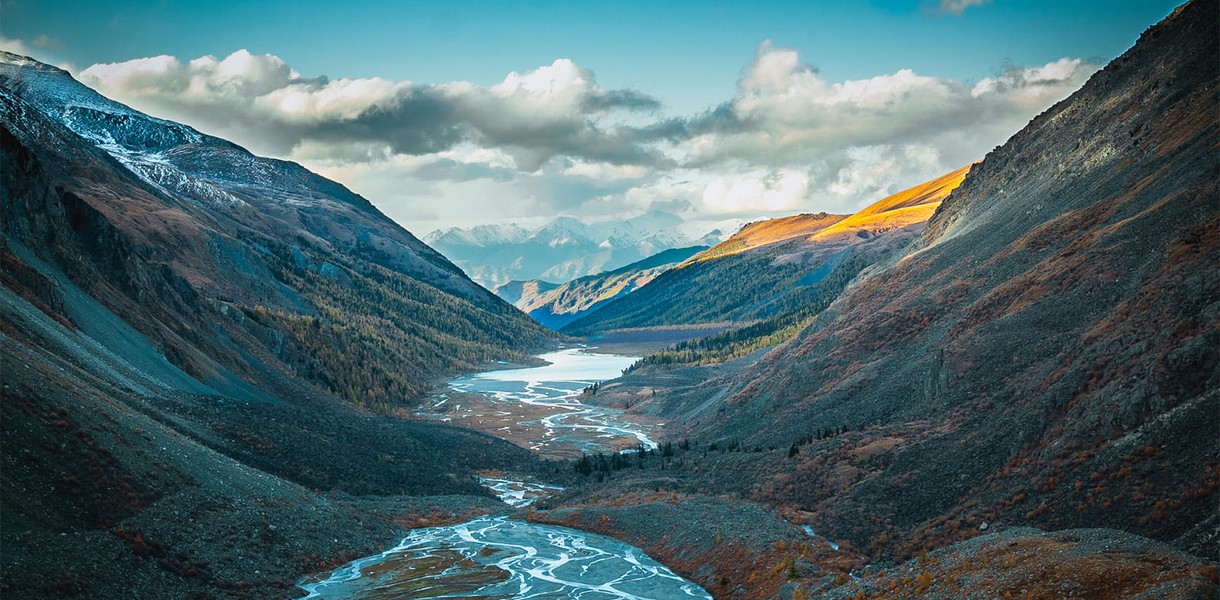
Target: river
point(497, 557)
point(539, 407)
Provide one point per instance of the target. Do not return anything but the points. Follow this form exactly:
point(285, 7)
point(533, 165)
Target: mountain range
point(772, 275)
point(566, 248)
point(556, 305)
point(1003, 382)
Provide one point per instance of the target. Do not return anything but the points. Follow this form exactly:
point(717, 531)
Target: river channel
point(497, 557)
point(539, 407)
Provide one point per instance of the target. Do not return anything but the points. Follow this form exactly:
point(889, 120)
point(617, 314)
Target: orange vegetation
point(914, 205)
point(762, 233)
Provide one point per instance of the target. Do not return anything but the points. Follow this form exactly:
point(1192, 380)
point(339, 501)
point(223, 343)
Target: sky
point(463, 113)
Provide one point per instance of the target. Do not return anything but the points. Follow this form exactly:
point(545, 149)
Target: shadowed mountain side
point(774, 268)
point(178, 320)
point(1046, 353)
point(241, 271)
point(557, 305)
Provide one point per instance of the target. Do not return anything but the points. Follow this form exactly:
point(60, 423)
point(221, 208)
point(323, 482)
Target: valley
point(227, 376)
point(540, 408)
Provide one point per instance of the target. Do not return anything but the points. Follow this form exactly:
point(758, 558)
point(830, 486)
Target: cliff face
point(1046, 352)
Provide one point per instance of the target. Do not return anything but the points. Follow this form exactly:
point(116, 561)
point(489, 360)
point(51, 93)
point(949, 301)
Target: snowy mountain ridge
point(566, 248)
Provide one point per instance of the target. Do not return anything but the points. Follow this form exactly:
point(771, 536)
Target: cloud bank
point(553, 141)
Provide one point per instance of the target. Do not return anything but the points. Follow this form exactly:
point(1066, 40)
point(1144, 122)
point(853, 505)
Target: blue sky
point(659, 65)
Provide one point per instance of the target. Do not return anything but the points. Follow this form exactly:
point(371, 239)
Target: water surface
point(496, 557)
point(541, 405)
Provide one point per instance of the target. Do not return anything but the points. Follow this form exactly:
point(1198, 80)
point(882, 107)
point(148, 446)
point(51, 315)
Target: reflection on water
point(556, 387)
point(495, 557)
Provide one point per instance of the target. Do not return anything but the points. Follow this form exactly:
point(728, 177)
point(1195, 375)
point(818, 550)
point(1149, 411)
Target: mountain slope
point(774, 268)
point(178, 320)
point(237, 246)
point(557, 305)
point(771, 231)
point(1046, 353)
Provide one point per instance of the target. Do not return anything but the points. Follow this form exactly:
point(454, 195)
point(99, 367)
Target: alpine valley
point(226, 376)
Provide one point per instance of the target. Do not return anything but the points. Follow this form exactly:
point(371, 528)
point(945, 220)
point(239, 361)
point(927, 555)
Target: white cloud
point(552, 141)
point(14, 45)
point(785, 113)
point(258, 100)
point(780, 191)
point(42, 48)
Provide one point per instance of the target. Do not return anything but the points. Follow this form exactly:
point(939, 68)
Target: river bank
point(539, 408)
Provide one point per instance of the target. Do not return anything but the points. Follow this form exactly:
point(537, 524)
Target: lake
point(539, 407)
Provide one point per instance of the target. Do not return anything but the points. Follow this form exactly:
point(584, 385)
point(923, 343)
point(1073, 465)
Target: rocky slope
point(187, 336)
point(557, 305)
point(1045, 353)
point(259, 270)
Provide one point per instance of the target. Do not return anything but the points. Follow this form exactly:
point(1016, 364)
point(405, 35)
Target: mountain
point(192, 338)
point(1009, 403)
point(1044, 353)
point(775, 271)
point(557, 305)
point(566, 248)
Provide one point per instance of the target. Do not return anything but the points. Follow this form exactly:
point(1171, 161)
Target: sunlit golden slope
point(914, 205)
point(767, 260)
point(762, 233)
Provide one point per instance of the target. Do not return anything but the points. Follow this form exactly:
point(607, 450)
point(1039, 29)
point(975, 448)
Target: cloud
point(41, 48)
point(48, 42)
point(785, 113)
point(14, 45)
point(957, 7)
point(779, 191)
point(260, 101)
point(552, 141)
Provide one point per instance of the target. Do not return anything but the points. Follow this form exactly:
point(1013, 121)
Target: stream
point(496, 557)
point(539, 407)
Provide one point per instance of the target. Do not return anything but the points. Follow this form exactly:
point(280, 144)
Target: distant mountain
point(774, 270)
point(566, 248)
point(556, 305)
point(187, 329)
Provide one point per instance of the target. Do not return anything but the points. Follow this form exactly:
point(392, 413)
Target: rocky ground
point(520, 424)
point(741, 550)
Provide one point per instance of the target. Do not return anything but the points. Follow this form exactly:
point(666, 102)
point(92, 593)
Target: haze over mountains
point(556, 305)
point(566, 248)
point(1003, 382)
